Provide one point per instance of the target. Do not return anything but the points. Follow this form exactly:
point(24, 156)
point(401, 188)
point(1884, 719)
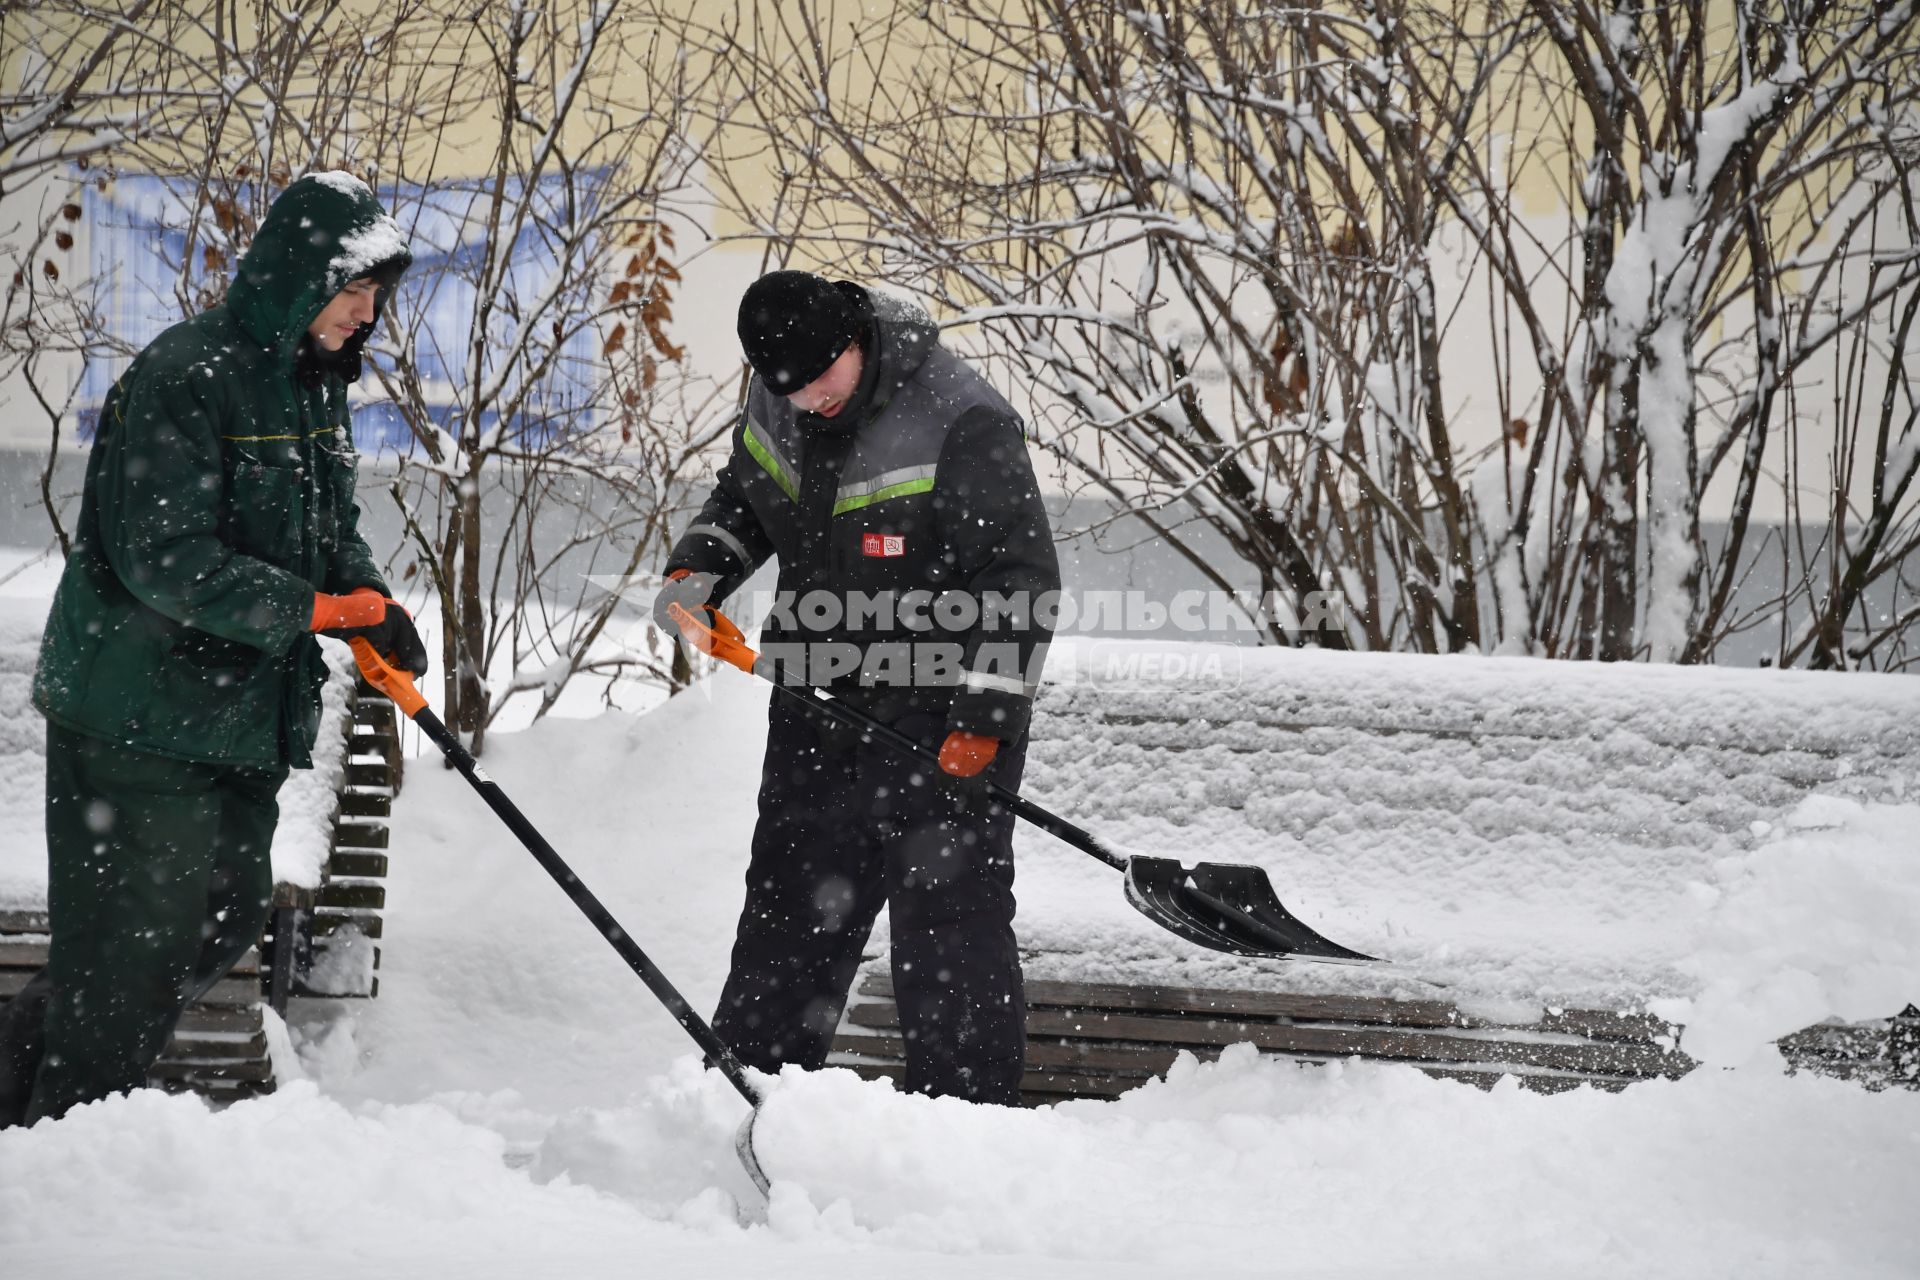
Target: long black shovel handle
point(1250, 926)
point(398, 685)
point(720, 638)
point(816, 699)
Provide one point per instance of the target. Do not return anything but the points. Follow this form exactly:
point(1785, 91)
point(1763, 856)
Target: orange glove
point(965, 754)
point(361, 607)
point(690, 591)
point(366, 614)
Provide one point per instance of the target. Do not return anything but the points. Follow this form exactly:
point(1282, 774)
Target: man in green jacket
point(179, 674)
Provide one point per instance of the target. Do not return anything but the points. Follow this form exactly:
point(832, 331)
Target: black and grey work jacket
point(914, 550)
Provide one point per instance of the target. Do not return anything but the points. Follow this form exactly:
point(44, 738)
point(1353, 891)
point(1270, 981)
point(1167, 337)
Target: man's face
point(828, 394)
point(341, 318)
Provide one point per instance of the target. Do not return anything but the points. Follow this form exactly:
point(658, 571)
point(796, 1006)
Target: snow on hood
point(325, 230)
point(363, 251)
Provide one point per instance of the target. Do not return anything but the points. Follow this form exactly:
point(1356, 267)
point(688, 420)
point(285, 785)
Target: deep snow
point(514, 1103)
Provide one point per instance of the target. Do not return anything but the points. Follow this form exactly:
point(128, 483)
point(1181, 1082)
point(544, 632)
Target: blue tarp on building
point(150, 276)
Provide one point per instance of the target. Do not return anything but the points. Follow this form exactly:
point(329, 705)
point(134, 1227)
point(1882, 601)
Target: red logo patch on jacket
point(883, 544)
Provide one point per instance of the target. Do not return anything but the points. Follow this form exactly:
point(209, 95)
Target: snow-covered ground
point(515, 1103)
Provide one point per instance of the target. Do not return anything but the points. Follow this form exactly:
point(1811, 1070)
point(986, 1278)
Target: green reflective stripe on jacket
point(894, 484)
point(770, 460)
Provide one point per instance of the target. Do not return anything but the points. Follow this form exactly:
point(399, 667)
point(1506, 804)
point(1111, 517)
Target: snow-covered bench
point(328, 855)
point(335, 914)
point(1540, 837)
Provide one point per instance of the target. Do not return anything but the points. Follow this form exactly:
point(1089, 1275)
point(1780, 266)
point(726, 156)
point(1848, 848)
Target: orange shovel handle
point(722, 640)
point(395, 683)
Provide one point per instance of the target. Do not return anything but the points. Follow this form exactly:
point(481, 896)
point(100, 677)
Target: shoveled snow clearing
point(514, 1103)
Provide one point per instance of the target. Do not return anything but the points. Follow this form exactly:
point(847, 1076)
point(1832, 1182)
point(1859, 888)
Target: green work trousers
point(158, 879)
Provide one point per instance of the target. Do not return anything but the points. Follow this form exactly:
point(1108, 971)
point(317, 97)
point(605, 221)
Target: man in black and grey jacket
point(915, 559)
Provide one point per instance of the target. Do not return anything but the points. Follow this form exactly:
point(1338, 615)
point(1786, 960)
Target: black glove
point(688, 589)
point(391, 632)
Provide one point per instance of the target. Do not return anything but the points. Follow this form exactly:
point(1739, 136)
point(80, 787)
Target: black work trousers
point(845, 827)
point(159, 878)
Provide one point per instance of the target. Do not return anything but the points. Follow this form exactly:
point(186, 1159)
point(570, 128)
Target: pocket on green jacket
point(213, 699)
point(269, 512)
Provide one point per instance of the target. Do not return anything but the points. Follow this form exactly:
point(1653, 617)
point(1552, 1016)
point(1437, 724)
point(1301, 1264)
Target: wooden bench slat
point(227, 991)
point(211, 1030)
point(1141, 1064)
point(361, 863)
point(196, 1046)
point(234, 991)
point(251, 1071)
point(353, 895)
point(223, 1019)
point(1329, 1041)
point(22, 953)
point(1245, 1005)
point(24, 920)
point(328, 920)
point(360, 834)
point(358, 804)
point(1042, 1088)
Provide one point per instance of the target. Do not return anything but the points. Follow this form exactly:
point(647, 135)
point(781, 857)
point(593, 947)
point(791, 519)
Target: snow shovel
point(398, 685)
point(1227, 906)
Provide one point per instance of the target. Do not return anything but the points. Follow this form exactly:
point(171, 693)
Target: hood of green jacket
point(325, 231)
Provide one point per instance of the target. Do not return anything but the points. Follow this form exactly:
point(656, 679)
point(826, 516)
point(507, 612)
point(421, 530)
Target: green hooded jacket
point(218, 499)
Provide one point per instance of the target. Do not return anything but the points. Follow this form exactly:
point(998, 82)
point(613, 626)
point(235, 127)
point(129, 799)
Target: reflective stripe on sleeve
point(761, 447)
point(982, 682)
point(725, 539)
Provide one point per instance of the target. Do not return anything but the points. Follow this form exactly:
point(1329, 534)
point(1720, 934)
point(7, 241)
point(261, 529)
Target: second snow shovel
point(1226, 906)
point(398, 685)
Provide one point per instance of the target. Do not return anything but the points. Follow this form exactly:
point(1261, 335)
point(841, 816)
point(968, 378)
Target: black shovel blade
point(1227, 907)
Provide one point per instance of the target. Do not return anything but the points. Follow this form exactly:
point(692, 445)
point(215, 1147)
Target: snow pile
point(516, 1103)
point(303, 840)
point(148, 1184)
point(1335, 1170)
point(1243, 1167)
point(1518, 828)
point(1821, 921)
point(23, 761)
